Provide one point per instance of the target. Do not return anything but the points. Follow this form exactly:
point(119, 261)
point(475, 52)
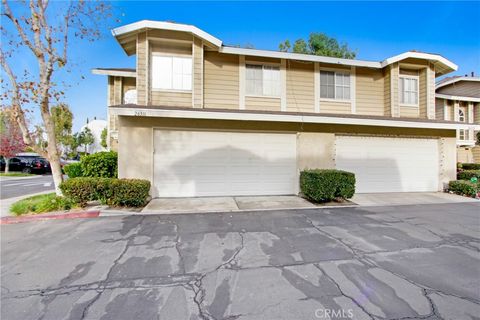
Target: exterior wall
point(171, 99)
point(221, 81)
point(335, 107)
point(142, 68)
point(198, 73)
point(462, 88)
point(409, 112)
point(476, 112)
point(476, 154)
point(422, 93)
point(262, 103)
point(387, 92)
point(394, 94)
point(440, 109)
point(300, 87)
point(315, 150)
point(448, 161)
point(465, 155)
point(370, 86)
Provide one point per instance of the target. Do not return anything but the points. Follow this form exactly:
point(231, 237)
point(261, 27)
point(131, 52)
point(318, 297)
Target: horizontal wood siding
point(261, 103)
point(335, 107)
point(476, 112)
point(221, 80)
point(387, 92)
point(370, 92)
point(171, 98)
point(197, 73)
point(300, 87)
point(409, 112)
point(142, 67)
point(439, 109)
point(422, 94)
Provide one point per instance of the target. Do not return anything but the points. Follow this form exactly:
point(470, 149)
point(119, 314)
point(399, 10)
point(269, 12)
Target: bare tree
point(44, 30)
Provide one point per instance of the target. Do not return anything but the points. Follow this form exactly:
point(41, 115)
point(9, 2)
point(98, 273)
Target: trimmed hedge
point(468, 174)
point(114, 192)
point(464, 188)
point(470, 166)
point(73, 170)
point(101, 164)
point(326, 185)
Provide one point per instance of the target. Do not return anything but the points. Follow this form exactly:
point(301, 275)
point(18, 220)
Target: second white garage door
point(389, 164)
point(201, 163)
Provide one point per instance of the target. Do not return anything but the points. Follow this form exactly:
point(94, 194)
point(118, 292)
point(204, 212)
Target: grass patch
point(40, 204)
point(16, 174)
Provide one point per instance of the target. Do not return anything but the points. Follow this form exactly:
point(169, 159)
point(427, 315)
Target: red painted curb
point(72, 215)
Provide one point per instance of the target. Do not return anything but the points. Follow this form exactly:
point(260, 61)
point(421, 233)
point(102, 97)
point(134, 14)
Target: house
point(458, 99)
point(199, 118)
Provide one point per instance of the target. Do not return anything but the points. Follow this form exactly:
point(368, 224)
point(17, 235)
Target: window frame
point(170, 55)
point(400, 93)
point(263, 65)
point(460, 110)
point(335, 71)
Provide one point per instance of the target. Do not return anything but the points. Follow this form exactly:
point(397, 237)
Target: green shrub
point(80, 190)
point(326, 185)
point(470, 166)
point(464, 188)
point(100, 164)
point(468, 174)
point(114, 192)
point(41, 203)
point(73, 170)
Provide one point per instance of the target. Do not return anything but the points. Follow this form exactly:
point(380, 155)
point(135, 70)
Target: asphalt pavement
point(403, 262)
point(12, 187)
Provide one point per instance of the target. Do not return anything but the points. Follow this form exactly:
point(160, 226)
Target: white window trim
point(411, 105)
point(335, 71)
point(259, 63)
point(176, 55)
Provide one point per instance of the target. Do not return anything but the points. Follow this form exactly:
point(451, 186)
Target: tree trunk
point(53, 155)
point(7, 164)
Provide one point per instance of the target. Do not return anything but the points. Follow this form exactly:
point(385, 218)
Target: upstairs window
point(408, 90)
point(334, 85)
point(461, 115)
point(262, 80)
point(172, 73)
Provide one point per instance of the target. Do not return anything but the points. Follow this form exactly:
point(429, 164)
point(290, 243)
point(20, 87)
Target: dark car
point(27, 164)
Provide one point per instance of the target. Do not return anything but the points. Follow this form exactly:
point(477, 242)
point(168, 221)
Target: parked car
point(27, 164)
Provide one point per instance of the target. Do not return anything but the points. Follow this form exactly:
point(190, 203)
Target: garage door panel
point(223, 163)
point(389, 164)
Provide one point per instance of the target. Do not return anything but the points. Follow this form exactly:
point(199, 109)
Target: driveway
point(419, 261)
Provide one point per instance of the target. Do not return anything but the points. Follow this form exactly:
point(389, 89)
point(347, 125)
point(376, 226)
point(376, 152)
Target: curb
point(43, 217)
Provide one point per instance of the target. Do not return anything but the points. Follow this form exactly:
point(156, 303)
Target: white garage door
point(389, 164)
point(201, 163)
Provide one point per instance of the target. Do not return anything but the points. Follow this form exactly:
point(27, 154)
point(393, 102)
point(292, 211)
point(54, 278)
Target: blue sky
point(376, 30)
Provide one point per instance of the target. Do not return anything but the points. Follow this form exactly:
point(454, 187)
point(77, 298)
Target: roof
point(283, 116)
point(450, 80)
point(119, 72)
point(126, 36)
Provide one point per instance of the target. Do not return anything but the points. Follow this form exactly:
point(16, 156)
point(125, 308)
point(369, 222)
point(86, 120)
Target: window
point(334, 85)
point(171, 73)
point(409, 90)
point(461, 115)
point(262, 80)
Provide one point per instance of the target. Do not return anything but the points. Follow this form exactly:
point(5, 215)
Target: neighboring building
point(198, 118)
point(458, 99)
point(96, 126)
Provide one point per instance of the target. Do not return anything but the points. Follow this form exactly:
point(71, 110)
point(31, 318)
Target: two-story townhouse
point(198, 118)
point(458, 99)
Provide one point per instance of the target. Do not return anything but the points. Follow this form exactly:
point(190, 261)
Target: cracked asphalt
point(404, 262)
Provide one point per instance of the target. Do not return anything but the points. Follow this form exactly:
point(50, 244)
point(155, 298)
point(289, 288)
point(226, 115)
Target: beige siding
point(142, 65)
point(464, 155)
point(431, 91)
point(387, 92)
point(117, 91)
point(409, 72)
point(476, 112)
point(171, 35)
point(262, 103)
point(422, 93)
point(128, 84)
point(370, 92)
point(197, 73)
point(111, 90)
point(335, 107)
point(394, 90)
point(462, 88)
point(476, 154)
point(409, 112)
point(439, 109)
point(171, 98)
point(221, 89)
point(300, 87)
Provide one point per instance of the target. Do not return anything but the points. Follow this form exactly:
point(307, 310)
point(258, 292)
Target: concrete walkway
point(407, 198)
point(225, 204)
